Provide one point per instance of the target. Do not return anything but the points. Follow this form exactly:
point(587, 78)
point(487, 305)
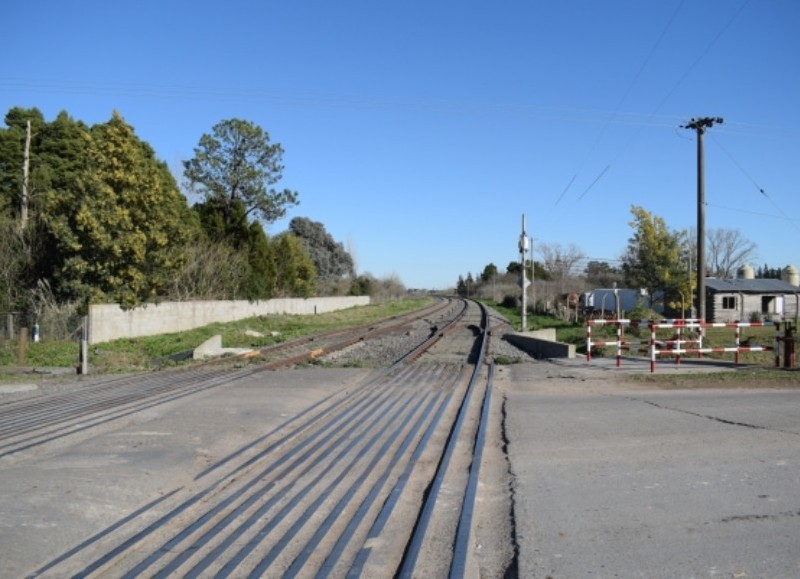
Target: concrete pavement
point(617, 480)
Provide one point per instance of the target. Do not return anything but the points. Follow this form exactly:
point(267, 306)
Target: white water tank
point(746, 272)
point(791, 275)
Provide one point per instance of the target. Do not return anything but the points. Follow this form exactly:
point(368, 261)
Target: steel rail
point(414, 547)
point(436, 336)
point(378, 525)
point(439, 401)
point(353, 454)
point(335, 340)
point(348, 434)
point(287, 454)
point(64, 427)
point(204, 494)
point(461, 549)
point(63, 415)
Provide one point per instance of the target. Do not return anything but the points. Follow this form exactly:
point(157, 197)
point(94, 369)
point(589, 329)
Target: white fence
point(109, 322)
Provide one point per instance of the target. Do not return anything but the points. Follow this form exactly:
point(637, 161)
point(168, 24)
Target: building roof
point(753, 286)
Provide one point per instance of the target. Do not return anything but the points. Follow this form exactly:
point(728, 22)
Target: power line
point(603, 172)
point(749, 212)
point(328, 100)
point(566, 188)
point(739, 166)
point(683, 77)
point(625, 95)
point(757, 186)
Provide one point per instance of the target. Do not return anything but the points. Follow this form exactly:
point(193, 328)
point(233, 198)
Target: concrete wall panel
point(109, 322)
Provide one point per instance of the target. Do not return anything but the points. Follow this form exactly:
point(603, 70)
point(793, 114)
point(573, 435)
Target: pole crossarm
point(702, 123)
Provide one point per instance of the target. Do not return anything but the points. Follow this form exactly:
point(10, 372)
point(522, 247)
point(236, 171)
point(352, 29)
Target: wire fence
point(62, 325)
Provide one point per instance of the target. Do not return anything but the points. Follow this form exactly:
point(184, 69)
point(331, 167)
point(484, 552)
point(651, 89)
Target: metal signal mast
point(523, 281)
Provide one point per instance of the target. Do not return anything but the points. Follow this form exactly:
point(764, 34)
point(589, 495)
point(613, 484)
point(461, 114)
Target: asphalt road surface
point(614, 481)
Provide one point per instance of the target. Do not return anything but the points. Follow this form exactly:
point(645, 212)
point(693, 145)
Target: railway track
point(29, 423)
point(377, 480)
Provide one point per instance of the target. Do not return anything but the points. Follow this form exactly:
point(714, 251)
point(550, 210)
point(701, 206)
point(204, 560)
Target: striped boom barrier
point(679, 344)
point(700, 327)
point(620, 343)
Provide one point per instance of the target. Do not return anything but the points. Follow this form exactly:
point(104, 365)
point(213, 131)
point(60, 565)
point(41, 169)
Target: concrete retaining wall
point(109, 322)
point(541, 344)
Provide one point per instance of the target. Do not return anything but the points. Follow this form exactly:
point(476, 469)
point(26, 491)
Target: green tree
point(234, 231)
point(260, 281)
point(12, 146)
point(55, 154)
point(57, 161)
point(12, 264)
point(489, 273)
point(237, 163)
point(469, 285)
point(514, 268)
point(295, 275)
point(601, 274)
point(363, 285)
point(653, 260)
point(330, 258)
point(461, 286)
point(119, 229)
point(768, 272)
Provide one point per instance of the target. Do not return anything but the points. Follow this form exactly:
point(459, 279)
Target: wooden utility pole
point(700, 125)
point(26, 159)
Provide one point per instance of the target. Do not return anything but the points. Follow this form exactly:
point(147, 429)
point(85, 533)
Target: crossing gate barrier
point(687, 339)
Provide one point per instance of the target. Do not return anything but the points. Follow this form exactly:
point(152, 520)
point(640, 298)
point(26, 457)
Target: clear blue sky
point(419, 132)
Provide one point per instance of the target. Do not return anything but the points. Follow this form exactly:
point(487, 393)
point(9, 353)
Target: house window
point(729, 302)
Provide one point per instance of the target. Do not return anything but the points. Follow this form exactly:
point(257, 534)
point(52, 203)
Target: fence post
point(652, 346)
point(23, 347)
point(588, 341)
point(83, 369)
point(788, 345)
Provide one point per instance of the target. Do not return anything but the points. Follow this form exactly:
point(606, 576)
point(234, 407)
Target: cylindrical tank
point(746, 272)
point(791, 275)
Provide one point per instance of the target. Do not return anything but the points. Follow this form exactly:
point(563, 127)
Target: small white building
point(744, 298)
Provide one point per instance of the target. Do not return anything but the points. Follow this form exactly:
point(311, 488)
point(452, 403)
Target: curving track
point(379, 479)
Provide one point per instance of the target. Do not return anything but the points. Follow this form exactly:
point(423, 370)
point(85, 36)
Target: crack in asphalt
point(772, 517)
point(710, 417)
point(512, 571)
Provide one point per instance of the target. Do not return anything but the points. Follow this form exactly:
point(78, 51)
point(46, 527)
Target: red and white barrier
point(620, 343)
point(673, 347)
point(687, 339)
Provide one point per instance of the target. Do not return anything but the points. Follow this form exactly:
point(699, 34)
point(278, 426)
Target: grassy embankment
point(136, 354)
